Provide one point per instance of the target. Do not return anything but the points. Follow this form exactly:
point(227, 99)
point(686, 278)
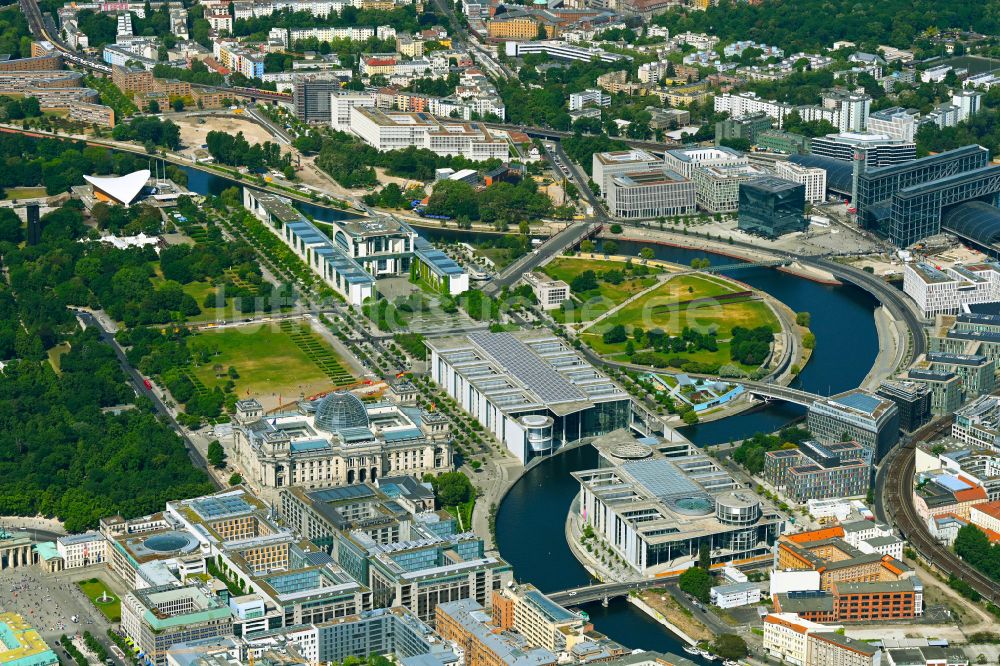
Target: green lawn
point(463, 514)
point(667, 308)
point(24, 192)
point(606, 297)
point(94, 589)
point(273, 360)
point(659, 309)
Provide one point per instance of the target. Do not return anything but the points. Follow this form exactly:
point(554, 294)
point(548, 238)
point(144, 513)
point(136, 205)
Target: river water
point(531, 519)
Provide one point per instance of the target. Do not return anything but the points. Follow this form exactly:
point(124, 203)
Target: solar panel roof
point(661, 478)
point(523, 364)
point(860, 401)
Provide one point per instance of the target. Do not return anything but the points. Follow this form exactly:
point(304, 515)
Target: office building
point(878, 601)
point(818, 471)
point(467, 624)
point(657, 505)
point(618, 163)
point(813, 179)
point(648, 194)
point(945, 388)
point(563, 51)
point(390, 130)
point(869, 420)
point(359, 249)
point(341, 102)
point(531, 389)
point(913, 400)
point(409, 557)
point(156, 618)
point(978, 423)
point(22, 645)
point(908, 202)
point(948, 290)
point(895, 123)
point(879, 150)
point(540, 620)
point(742, 128)
point(772, 207)
point(976, 372)
point(734, 595)
point(686, 160)
point(591, 96)
point(550, 293)
point(312, 97)
point(778, 141)
point(717, 188)
point(338, 440)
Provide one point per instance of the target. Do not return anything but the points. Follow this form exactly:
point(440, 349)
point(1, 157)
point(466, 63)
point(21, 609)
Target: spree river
point(531, 519)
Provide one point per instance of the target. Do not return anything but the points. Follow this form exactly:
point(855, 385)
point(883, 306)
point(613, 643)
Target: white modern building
point(562, 51)
point(735, 595)
point(851, 109)
point(393, 130)
point(122, 190)
point(783, 582)
point(948, 290)
point(341, 103)
point(648, 194)
point(357, 250)
point(686, 160)
point(549, 292)
point(620, 162)
point(879, 149)
point(530, 388)
point(978, 424)
point(593, 96)
point(896, 123)
point(813, 178)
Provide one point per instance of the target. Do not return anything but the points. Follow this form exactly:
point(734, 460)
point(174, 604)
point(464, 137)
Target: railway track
point(897, 507)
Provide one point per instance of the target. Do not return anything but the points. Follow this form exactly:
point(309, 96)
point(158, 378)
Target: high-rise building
point(772, 207)
point(913, 399)
point(851, 108)
point(869, 420)
point(312, 100)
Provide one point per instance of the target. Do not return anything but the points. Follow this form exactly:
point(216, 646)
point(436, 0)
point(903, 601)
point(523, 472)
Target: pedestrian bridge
point(744, 265)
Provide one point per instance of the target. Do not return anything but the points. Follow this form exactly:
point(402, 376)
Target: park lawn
point(463, 514)
point(567, 268)
point(268, 360)
point(197, 291)
point(24, 192)
point(94, 588)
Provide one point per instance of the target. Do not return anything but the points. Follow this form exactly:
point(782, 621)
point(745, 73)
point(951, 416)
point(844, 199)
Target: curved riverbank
point(540, 498)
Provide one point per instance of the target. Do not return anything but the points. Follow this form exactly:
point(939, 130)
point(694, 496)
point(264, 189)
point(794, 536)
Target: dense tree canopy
point(973, 546)
point(809, 25)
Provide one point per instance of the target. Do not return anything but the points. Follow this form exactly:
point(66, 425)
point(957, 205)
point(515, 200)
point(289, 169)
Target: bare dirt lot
point(194, 132)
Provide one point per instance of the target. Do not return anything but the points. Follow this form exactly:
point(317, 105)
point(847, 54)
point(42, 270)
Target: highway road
point(138, 384)
point(554, 245)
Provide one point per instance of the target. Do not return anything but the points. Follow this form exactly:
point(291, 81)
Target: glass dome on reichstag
point(340, 410)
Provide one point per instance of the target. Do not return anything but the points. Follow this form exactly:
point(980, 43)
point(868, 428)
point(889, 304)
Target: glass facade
point(772, 207)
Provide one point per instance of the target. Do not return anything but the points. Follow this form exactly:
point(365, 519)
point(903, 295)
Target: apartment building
point(786, 637)
point(986, 516)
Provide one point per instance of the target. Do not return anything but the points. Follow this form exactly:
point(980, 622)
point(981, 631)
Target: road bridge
point(555, 245)
point(779, 392)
